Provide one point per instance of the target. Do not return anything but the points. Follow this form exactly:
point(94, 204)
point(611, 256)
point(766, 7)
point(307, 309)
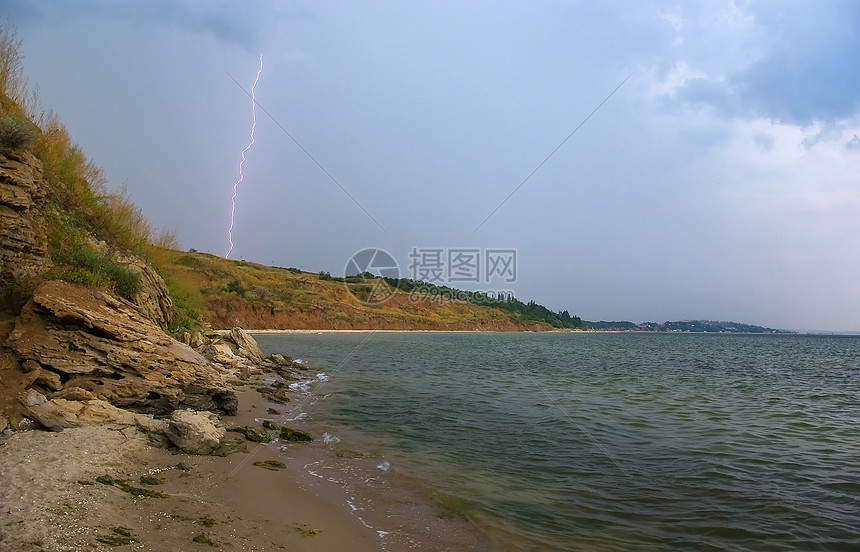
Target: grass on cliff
point(80, 201)
point(231, 293)
point(79, 262)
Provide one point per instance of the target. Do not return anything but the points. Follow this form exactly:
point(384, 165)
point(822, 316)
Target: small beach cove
point(80, 490)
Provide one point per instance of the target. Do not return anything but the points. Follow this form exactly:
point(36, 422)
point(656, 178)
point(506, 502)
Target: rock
point(30, 366)
point(222, 354)
point(248, 347)
point(23, 228)
point(51, 380)
point(195, 432)
point(185, 338)
point(230, 446)
point(197, 340)
point(95, 412)
point(57, 414)
point(30, 378)
point(223, 349)
point(49, 415)
point(31, 397)
point(108, 347)
point(153, 297)
point(253, 434)
point(74, 394)
point(281, 360)
point(4, 423)
point(150, 425)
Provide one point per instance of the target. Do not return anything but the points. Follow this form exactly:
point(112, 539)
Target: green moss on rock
point(205, 538)
point(272, 465)
point(254, 434)
point(292, 434)
point(119, 536)
point(125, 487)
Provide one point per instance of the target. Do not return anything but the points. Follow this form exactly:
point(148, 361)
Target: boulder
point(247, 345)
point(195, 432)
point(280, 359)
point(57, 414)
point(50, 380)
point(150, 425)
point(96, 412)
point(197, 340)
point(223, 350)
point(108, 347)
point(30, 366)
point(222, 354)
point(46, 413)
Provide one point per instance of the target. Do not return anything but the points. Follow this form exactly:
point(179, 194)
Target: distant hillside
point(684, 326)
point(228, 293)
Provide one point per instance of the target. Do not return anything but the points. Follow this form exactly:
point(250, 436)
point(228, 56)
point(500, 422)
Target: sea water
point(593, 441)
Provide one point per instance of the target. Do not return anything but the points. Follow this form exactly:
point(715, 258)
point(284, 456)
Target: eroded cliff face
point(102, 344)
point(23, 231)
point(74, 354)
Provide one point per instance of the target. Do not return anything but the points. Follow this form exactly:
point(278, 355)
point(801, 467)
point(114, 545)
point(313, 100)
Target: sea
point(607, 441)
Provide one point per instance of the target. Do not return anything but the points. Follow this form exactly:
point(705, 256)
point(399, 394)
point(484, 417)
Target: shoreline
point(291, 332)
point(323, 499)
point(553, 331)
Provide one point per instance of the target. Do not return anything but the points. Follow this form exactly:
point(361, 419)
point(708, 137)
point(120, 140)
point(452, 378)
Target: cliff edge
point(74, 354)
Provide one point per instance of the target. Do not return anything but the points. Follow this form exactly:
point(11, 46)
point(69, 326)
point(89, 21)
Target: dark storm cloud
point(809, 73)
point(241, 23)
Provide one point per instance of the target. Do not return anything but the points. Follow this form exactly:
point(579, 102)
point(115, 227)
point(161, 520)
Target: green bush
point(235, 286)
point(88, 267)
point(15, 132)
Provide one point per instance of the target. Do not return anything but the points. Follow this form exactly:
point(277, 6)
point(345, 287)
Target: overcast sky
point(721, 181)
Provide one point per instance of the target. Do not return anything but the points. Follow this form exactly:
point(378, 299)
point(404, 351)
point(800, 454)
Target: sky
point(720, 181)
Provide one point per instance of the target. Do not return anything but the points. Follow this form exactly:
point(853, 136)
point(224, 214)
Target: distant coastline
point(682, 326)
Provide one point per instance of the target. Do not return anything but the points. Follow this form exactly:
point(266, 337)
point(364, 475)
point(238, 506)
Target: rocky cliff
point(23, 230)
point(73, 355)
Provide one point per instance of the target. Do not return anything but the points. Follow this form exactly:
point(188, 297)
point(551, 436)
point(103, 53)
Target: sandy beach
point(54, 496)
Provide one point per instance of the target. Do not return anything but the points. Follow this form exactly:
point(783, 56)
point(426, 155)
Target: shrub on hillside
point(236, 287)
point(15, 132)
point(84, 265)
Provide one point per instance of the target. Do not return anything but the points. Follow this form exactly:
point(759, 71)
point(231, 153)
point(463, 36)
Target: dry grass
point(78, 186)
point(229, 293)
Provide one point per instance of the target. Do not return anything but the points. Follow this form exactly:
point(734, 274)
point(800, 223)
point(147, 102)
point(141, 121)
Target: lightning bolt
point(242, 162)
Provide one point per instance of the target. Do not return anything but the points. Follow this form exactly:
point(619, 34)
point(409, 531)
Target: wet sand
point(325, 499)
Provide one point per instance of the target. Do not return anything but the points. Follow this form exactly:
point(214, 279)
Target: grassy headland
point(229, 293)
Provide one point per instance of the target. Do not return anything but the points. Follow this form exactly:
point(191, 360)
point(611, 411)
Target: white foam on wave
point(303, 386)
point(384, 465)
point(329, 438)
